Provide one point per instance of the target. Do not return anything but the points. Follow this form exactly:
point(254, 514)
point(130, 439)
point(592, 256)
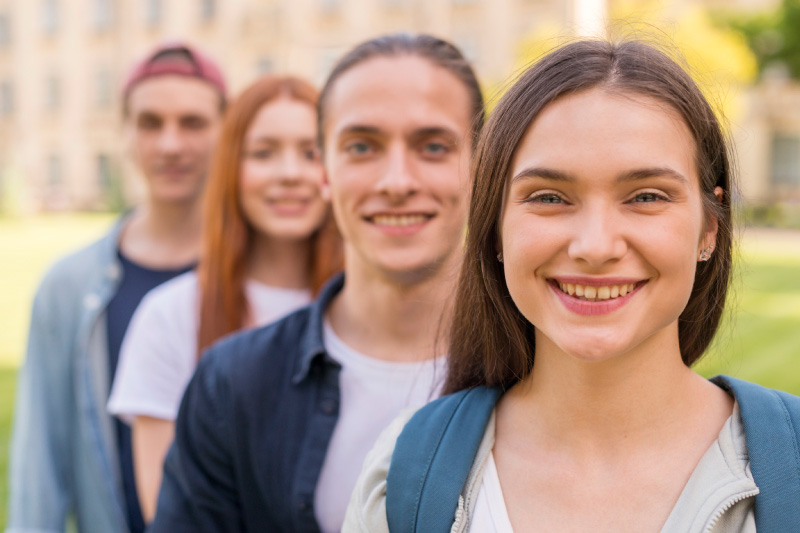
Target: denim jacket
point(63, 450)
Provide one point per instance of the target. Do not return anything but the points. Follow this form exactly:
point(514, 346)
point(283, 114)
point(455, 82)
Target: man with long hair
point(69, 458)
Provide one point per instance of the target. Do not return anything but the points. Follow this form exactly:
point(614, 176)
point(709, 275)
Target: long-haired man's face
point(603, 223)
point(171, 127)
point(397, 163)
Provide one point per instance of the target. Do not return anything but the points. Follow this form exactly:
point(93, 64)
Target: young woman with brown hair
point(596, 270)
point(269, 245)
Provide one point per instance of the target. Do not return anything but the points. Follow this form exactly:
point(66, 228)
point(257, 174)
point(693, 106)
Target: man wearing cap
point(69, 457)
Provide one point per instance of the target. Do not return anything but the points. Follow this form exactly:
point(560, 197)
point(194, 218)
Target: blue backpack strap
point(432, 460)
point(772, 430)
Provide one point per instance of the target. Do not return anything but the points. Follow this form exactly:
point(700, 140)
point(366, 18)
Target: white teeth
point(399, 220)
point(590, 292)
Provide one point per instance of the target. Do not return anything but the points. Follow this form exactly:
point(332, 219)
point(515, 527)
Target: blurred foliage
point(773, 36)
point(773, 215)
point(715, 54)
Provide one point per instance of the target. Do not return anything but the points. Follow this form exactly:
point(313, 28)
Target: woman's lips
point(595, 297)
point(289, 206)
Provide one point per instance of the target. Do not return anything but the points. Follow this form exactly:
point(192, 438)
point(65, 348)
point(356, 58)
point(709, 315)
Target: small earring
point(705, 253)
point(500, 256)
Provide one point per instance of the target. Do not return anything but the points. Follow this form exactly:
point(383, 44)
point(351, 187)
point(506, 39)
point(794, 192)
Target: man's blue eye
point(358, 148)
point(435, 148)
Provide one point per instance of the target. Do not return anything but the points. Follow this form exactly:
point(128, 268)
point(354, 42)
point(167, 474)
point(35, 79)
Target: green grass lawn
point(760, 340)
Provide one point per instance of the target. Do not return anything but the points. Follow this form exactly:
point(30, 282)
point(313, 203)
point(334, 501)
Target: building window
point(103, 88)
point(6, 99)
point(52, 93)
point(785, 160)
point(152, 12)
point(105, 176)
point(50, 16)
point(265, 66)
point(103, 14)
point(5, 30)
point(328, 7)
point(53, 171)
point(208, 9)
point(468, 46)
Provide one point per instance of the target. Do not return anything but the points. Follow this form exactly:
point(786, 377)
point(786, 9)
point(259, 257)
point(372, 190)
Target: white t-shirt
point(159, 352)
point(490, 514)
point(372, 394)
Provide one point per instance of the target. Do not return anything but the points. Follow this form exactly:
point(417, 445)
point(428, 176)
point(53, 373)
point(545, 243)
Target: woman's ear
point(709, 240)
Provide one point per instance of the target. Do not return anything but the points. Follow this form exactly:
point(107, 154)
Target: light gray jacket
point(718, 497)
point(63, 451)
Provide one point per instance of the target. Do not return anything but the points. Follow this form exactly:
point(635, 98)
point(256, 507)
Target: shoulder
point(366, 511)
point(76, 274)
point(252, 356)
point(174, 297)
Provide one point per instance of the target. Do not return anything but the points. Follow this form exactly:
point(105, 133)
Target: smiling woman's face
point(602, 224)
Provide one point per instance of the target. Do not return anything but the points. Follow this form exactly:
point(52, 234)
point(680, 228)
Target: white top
point(490, 514)
point(718, 496)
point(159, 352)
point(372, 394)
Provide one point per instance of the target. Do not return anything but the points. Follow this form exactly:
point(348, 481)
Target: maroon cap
point(175, 58)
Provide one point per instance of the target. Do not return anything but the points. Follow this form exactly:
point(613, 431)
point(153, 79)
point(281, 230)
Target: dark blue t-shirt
point(136, 282)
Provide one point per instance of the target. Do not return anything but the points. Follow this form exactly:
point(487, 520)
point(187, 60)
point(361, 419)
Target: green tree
point(772, 36)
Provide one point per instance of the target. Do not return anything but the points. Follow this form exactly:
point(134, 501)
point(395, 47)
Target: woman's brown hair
point(227, 236)
point(491, 342)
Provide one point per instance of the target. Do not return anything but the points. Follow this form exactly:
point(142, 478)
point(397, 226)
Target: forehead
point(174, 95)
point(597, 132)
point(286, 118)
point(398, 94)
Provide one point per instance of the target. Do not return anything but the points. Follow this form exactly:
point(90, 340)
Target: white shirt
point(159, 352)
point(490, 514)
point(372, 394)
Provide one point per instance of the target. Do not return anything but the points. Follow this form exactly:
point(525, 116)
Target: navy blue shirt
point(136, 282)
point(253, 430)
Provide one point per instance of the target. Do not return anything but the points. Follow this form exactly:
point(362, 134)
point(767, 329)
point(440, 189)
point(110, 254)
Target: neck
point(604, 407)
point(163, 234)
point(280, 263)
point(386, 317)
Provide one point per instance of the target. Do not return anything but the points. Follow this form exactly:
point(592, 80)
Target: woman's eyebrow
point(542, 172)
point(632, 175)
point(653, 172)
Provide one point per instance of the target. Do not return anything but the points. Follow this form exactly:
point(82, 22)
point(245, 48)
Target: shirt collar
point(311, 344)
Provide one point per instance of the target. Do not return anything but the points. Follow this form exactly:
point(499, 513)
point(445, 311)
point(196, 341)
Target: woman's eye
point(648, 197)
point(260, 154)
point(311, 155)
point(547, 198)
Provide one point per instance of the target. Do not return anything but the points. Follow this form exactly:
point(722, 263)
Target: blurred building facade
point(62, 63)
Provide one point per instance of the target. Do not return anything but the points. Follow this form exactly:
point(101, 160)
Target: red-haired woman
point(269, 245)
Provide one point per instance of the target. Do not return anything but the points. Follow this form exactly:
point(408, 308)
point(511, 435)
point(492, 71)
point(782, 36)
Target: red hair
point(227, 236)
